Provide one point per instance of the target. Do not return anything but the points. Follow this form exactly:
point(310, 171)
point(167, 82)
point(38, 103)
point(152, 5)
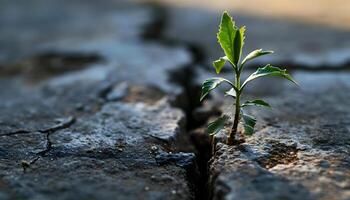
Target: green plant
point(231, 40)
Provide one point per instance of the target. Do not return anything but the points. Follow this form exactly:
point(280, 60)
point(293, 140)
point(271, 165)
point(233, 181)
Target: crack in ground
point(17, 132)
point(278, 154)
point(154, 31)
point(188, 101)
point(63, 125)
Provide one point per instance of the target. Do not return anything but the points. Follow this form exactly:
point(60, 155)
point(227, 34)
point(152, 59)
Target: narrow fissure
point(63, 125)
point(188, 101)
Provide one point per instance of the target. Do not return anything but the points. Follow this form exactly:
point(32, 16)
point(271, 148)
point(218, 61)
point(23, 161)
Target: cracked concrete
point(300, 148)
point(94, 106)
point(83, 114)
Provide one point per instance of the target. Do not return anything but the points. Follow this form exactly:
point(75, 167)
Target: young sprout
point(231, 40)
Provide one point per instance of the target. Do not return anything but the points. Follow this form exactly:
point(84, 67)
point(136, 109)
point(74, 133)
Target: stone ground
point(103, 104)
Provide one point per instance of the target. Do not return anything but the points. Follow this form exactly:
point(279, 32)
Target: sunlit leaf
point(219, 64)
point(255, 54)
point(249, 123)
point(211, 84)
point(256, 102)
point(226, 36)
point(269, 70)
point(215, 126)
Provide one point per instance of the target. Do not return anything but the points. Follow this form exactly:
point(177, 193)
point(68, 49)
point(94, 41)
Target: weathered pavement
point(85, 107)
point(95, 105)
point(301, 147)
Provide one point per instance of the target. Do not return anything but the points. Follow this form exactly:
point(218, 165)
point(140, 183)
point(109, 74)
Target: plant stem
point(231, 138)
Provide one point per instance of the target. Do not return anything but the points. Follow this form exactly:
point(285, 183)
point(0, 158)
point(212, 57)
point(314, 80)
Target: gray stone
point(86, 105)
point(108, 152)
point(300, 148)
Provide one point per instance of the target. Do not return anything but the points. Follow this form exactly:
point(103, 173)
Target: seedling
point(231, 40)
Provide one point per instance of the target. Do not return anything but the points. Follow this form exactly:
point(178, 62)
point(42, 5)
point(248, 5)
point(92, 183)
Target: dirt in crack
point(278, 153)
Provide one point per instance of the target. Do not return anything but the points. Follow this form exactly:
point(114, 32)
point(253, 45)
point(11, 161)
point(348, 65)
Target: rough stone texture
point(86, 105)
point(300, 149)
point(111, 154)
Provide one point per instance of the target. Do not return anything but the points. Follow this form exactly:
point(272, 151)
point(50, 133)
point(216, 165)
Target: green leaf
point(211, 84)
point(219, 64)
point(231, 92)
point(269, 70)
point(215, 126)
point(226, 36)
point(255, 54)
point(256, 102)
point(249, 123)
point(238, 45)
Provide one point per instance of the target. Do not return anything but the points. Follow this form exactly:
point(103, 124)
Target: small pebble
point(154, 148)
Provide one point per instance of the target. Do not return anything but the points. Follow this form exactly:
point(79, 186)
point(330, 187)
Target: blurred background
point(306, 32)
point(311, 33)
